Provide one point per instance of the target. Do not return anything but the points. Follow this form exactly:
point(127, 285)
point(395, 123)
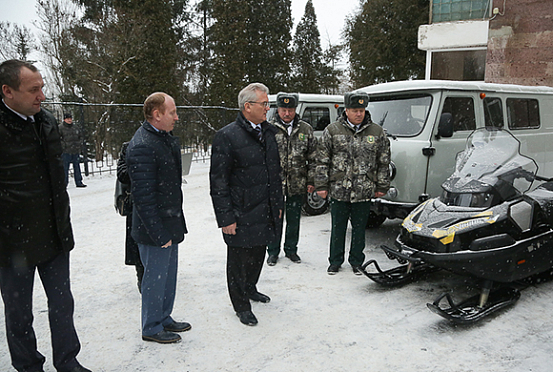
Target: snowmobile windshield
point(400, 115)
point(491, 168)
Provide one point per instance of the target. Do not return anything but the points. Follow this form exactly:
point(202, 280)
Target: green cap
point(288, 100)
point(356, 100)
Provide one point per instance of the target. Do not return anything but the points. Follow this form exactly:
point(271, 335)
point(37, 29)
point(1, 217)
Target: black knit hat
point(67, 115)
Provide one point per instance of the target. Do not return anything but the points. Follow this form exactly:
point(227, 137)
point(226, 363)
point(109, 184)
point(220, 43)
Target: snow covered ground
point(315, 322)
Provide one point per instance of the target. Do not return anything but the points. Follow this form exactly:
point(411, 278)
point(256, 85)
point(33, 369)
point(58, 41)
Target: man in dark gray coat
point(155, 169)
point(35, 229)
point(72, 142)
point(246, 191)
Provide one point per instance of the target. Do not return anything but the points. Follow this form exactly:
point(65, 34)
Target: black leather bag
point(123, 199)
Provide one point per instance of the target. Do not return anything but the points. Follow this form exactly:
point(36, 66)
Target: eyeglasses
point(264, 104)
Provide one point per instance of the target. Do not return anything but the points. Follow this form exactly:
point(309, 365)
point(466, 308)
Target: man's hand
point(323, 194)
point(168, 244)
point(230, 229)
point(280, 213)
point(310, 188)
point(379, 194)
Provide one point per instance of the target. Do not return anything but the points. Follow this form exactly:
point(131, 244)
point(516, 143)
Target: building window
point(459, 65)
point(459, 10)
point(462, 112)
point(523, 113)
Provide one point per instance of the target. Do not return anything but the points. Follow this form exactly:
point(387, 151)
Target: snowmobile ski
point(471, 310)
point(398, 275)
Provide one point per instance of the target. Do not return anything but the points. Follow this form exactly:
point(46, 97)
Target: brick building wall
point(520, 43)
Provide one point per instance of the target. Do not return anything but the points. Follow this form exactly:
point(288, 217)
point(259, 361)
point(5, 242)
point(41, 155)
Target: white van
point(428, 122)
point(319, 110)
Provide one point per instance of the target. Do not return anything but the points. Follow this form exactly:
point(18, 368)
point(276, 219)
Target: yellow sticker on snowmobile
point(449, 233)
point(411, 226)
point(448, 239)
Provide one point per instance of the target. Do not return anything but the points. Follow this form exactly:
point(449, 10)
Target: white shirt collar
point(355, 127)
point(17, 113)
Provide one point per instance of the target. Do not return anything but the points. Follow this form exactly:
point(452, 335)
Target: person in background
point(132, 254)
point(352, 168)
point(35, 227)
point(72, 140)
point(246, 192)
point(158, 226)
point(297, 148)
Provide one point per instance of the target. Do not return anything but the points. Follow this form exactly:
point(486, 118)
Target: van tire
point(314, 205)
point(375, 220)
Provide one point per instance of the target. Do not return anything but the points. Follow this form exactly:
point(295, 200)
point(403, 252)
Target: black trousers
point(16, 285)
point(243, 270)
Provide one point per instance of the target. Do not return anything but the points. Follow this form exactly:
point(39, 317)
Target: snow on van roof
point(411, 85)
point(306, 97)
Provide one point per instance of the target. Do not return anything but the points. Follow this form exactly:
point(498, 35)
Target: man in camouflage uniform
point(352, 168)
point(296, 147)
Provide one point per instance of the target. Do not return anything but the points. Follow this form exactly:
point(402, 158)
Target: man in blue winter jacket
point(155, 169)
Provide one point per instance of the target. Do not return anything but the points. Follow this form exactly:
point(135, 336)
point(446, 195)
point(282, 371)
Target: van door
point(441, 164)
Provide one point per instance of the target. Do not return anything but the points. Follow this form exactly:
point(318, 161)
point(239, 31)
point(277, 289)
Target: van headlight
point(392, 193)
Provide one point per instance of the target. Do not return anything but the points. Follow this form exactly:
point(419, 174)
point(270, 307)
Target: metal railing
point(106, 126)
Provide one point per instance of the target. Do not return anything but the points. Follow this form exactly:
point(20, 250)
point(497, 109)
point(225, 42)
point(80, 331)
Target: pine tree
point(307, 64)
point(251, 43)
point(382, 41)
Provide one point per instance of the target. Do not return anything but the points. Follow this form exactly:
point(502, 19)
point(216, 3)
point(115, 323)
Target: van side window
point(493, 112)
point(523, 113)
point(462, 112)
point(318, 117)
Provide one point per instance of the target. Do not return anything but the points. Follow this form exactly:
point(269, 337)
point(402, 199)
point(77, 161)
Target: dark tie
point(258, 131)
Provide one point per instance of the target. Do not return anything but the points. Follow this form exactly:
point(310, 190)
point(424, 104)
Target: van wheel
point(375, 220)
point(314, 205)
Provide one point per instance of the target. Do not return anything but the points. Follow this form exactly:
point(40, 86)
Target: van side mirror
point(445, 126)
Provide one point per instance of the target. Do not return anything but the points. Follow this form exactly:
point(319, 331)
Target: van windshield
point(401, 116)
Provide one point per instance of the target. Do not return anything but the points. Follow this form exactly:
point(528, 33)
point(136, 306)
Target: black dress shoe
point(293, 257)
point(81, 185)
point(259, 297)
point(333, 269)
point(177, 327)
point(357, 270)
point(247, 318)
point(163, 337)
point(272, 260)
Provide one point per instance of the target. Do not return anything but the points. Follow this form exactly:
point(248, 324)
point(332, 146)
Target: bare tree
point(17, 41)
point(56, 17)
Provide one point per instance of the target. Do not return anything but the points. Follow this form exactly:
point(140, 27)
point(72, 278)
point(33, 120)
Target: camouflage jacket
point(351, 165)
point(297, 155)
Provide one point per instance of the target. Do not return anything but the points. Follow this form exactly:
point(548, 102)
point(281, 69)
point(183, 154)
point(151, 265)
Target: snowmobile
point(487, 224)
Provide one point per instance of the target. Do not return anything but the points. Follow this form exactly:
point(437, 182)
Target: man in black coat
point(155, 169)
point(132, 254)
point(72, 142)
point(35, 228)
point(247, 197)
